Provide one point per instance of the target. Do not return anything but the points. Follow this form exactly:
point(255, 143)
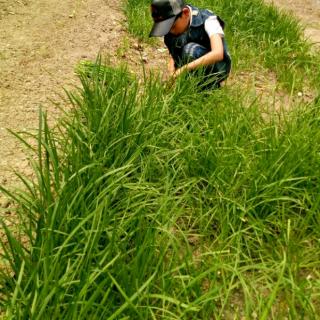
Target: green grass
point(139, 19)
point(159, 202)
point(163, 203)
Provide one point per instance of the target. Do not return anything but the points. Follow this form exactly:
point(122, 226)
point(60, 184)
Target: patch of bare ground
point(41, 41)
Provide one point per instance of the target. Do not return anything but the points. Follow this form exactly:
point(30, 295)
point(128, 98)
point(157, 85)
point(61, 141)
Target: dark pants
point(213, 74)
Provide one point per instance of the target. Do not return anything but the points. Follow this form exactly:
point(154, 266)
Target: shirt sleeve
point(212, 26)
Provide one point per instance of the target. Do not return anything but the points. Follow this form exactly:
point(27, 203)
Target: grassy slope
point(163, 203)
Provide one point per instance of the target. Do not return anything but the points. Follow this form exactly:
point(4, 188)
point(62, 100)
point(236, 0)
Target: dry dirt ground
point(42, 40)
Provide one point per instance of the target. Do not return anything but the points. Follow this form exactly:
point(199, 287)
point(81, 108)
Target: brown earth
point(42, 40)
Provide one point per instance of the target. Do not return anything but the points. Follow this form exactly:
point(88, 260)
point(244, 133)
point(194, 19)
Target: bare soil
point(41, 41)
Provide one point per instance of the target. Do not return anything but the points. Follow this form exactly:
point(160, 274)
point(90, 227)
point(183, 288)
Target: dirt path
point(40, 43)
point(42, 40)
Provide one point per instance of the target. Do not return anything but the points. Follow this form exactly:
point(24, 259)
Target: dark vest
point(195, 33)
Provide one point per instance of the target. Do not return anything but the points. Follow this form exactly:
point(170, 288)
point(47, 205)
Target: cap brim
point(160, 29)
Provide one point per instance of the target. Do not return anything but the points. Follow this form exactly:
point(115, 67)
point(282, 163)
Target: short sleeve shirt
point(211, 25)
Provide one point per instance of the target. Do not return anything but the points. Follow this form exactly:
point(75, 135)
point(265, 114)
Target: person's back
point(194, 38)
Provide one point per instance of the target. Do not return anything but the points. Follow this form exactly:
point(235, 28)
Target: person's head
point(169, 16)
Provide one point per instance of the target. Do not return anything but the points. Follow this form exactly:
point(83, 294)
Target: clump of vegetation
point(154, 204)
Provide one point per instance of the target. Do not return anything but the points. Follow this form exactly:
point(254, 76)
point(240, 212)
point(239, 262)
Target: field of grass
point(161, 202)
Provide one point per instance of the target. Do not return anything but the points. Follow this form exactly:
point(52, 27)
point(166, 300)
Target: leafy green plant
point(152, 202)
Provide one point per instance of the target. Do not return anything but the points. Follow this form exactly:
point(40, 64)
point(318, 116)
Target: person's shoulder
point(197, 18)
point(208, 13)
point(210, 16)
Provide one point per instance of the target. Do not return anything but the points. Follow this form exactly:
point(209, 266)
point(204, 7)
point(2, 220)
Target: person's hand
point(170, 81)
point(171, 67)
point(173, 76)
point(171, 70)
point(176, 74)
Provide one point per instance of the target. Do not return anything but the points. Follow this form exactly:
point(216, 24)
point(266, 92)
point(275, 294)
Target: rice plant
point(158, 203)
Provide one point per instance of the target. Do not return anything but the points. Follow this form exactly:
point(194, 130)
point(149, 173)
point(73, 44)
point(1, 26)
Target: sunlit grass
point(164, 203)
point(153, 201)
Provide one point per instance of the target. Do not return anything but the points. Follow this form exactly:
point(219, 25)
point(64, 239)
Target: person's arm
point(215, 55)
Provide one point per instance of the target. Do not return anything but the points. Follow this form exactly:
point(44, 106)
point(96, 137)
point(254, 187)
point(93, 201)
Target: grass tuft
point(157, 203)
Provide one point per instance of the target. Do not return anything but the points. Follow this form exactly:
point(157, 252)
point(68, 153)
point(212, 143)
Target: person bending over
point(195, 40)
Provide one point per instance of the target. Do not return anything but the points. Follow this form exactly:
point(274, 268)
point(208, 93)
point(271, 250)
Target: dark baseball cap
point(164, 13)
